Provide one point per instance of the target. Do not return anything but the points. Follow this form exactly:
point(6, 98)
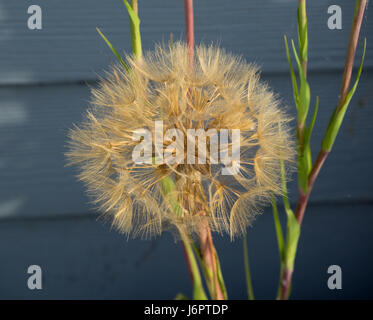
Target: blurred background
point(45, 216)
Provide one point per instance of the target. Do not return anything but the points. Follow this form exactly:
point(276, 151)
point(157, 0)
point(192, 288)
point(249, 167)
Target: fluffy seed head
point(220, 91)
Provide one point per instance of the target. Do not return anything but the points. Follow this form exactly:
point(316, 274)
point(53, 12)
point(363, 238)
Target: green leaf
point(303, 171)
point(307, 160)
point(339, 112)
point(284, 187)
point(279, 234)
point(302, 31)
point(292, 237)
point(293, 78)
point(304, 40)
point(304, 95)
point(113, 49)
point(220, 277)
point(293, 228)
point(308, 133)
point(307, 139)
point(300, 70)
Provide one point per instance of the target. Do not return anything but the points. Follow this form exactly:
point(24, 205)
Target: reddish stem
point(285, 283)
point(351, 49)
point(208, 254)
point(303, 197)
point(189, 267)
point(346, 80)
point(207, 248)
point(189, 21)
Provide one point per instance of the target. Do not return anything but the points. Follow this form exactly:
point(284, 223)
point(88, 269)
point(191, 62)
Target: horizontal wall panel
point(83, 259)
point(34, 122)
point(68, 47)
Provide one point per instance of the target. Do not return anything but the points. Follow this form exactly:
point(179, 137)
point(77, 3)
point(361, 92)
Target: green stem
point(167, 186)
point(249, 285)
point(134, 28)
point(198, 290)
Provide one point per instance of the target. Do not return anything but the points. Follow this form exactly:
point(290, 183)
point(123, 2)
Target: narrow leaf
point(312, 123)
point(292, 237)
point(113, 49)
point(307, 139)
point(220, 278)
point(304, 94)
point(339, 113)
point(293, 78)
point(279, 234)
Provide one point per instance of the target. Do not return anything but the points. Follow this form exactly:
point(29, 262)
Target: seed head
point(219, 91)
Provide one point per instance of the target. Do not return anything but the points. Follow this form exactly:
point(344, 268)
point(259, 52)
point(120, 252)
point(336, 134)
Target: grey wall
point(45, 217)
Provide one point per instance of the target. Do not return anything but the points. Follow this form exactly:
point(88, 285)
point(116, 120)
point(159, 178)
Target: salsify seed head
point(219, 91)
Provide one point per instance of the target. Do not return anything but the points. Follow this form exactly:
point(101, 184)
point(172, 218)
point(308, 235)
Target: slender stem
point(192, 265)
point(208, 255)
point(303, 197)
point(135, 6)
point(135, 29)
point(198, 291)
point(286, 283)
point(189, 22)
point(346, 80)
point(207, 248)
point(249, 284)
point(187, 244)
point(351, 49)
